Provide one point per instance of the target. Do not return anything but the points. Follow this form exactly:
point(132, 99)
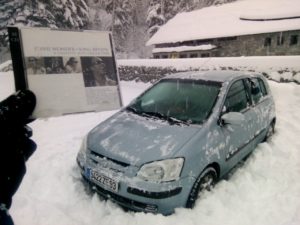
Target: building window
point(174, 55)
point(280, 40)
point(294, 40)
point(188, 43)
point(182, 56)
point(193, 55)
point(156, 56)
point(268, 42)
point(204, 55)
point(227, 39)
point(204, 41)
point(164, 56)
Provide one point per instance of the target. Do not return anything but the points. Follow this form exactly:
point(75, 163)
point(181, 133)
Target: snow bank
point(277, 68)
point(253, 62)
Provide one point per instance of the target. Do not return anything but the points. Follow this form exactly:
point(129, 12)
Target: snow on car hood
point(135, 139)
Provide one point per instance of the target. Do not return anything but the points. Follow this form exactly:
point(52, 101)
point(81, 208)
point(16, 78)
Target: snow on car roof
point(232, 19)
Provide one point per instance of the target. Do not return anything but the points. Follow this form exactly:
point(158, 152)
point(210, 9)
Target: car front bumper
point(138, 195)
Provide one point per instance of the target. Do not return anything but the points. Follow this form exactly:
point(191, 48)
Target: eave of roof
point(184, 48)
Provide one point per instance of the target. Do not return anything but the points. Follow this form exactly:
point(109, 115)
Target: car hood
point(135, 140)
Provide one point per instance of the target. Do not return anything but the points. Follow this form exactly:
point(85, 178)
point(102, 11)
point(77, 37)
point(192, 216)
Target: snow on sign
point(69, 71)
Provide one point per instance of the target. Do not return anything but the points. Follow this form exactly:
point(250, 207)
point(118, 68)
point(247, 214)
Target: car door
point(238, 136)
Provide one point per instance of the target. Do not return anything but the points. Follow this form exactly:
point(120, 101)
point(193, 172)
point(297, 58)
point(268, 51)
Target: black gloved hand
point(17, 108)
point(15, 143)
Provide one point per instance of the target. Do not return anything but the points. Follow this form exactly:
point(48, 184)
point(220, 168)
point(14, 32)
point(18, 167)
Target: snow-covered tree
point(71, 14)
point(198, 4)
point(113, 15)
point(160, 11)
point(122, 19)
point(9, 14)
point(155, 16)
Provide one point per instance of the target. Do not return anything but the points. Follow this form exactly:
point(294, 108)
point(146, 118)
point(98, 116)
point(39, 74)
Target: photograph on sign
point(69, 71)
point(98, 71)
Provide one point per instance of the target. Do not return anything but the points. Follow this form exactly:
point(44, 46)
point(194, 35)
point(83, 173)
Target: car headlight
point(81, 157)
point(83, 146)
point(161, 171)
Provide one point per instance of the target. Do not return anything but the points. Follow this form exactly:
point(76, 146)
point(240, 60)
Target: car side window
point(237, 98)
point(262, 87)
point(258, 89)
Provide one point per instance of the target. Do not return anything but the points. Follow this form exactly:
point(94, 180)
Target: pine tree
point(122, 20)
point(10, 13)
point(155, 17)
point(70, 14)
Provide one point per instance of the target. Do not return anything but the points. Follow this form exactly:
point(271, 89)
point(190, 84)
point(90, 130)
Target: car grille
point(95, 154)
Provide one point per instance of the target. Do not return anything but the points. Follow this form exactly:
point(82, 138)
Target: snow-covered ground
point(264, 191)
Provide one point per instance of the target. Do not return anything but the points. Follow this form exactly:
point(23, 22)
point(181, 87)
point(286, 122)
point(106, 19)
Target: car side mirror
point(234, 118)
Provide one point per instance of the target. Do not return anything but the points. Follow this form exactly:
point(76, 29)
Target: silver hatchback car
point(177, 138)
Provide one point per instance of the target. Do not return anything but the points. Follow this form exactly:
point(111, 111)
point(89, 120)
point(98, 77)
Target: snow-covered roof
point(184, 48)
point(233, 19)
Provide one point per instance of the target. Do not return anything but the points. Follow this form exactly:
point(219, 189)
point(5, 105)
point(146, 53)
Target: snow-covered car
point(177, 138)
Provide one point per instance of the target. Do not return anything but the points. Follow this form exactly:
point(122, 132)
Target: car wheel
point(205, 181)
point(270, 132)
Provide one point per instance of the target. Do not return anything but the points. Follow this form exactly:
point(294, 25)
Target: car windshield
point(178, 100)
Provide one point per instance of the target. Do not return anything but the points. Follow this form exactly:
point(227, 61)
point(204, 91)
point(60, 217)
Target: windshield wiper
point(132, 109)
point(171, 120)
point(154, 114)
point(178, 121)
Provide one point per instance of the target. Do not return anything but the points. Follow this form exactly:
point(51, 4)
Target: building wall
point(269, 44)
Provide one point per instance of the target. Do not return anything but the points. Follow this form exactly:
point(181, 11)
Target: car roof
point(217, 76)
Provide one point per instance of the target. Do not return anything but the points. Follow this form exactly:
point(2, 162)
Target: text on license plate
point(104, 181)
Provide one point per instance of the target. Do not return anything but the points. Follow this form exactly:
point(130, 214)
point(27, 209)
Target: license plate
point(104, 181)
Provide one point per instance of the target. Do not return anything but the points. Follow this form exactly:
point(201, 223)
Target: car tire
point(270, 132)
point(205, 181)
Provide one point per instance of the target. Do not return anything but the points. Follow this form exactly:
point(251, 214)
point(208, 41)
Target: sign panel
point(69, 71)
